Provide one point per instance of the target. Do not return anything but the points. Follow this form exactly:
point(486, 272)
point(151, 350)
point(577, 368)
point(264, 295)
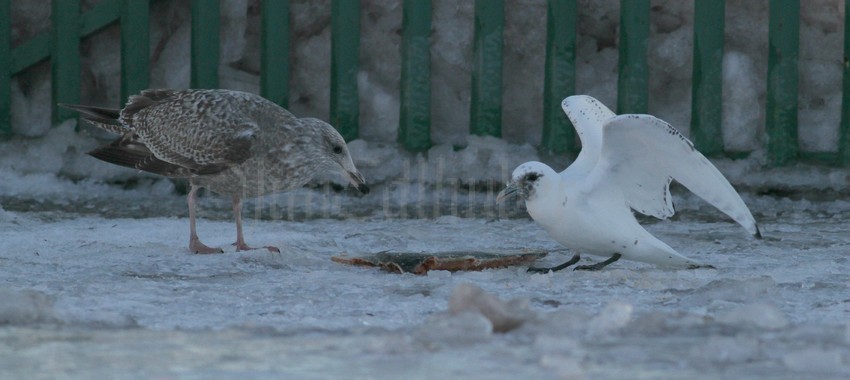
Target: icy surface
point(90, 296)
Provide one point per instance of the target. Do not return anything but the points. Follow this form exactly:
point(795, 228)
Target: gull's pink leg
point(195, 244)
point(240, 240)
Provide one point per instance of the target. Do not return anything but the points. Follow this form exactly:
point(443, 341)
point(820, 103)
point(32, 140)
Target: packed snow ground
point(89, 296)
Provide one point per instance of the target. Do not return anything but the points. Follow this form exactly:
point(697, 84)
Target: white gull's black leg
point(599, 265)
point(556, 268)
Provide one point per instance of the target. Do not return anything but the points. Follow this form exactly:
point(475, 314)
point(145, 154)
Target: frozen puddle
point(89, 297)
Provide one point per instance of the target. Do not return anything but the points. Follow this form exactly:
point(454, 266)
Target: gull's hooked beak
point(357, 181)
point(509, 191)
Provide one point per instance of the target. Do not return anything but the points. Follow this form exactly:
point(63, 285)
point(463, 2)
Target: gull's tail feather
point(103, 118)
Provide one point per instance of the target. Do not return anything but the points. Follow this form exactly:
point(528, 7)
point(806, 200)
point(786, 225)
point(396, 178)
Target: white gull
point(626, 163)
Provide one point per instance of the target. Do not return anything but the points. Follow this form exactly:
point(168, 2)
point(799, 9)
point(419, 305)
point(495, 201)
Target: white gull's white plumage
point(626, 163)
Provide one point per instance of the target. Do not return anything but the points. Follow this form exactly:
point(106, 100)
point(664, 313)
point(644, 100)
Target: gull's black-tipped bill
point(356, 179)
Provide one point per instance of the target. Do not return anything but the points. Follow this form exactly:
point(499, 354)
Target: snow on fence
point(61, 45)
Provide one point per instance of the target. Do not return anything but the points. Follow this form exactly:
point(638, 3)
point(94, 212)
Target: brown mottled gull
point(230, 142)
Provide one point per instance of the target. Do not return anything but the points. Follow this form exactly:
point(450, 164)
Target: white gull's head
point(530, 181)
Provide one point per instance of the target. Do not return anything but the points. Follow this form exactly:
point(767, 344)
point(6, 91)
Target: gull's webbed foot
point(195, 246)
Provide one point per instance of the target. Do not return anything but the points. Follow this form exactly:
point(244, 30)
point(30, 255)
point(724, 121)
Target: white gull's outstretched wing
point(587, 116)
point(641, 154)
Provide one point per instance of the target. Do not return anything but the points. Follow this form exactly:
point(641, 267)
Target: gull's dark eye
point(532, 177)
point(337, 149)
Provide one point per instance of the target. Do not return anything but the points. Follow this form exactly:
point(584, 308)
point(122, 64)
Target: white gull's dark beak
point(509, 191)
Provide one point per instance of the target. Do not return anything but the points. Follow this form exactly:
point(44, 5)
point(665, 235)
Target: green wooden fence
point(61, 46)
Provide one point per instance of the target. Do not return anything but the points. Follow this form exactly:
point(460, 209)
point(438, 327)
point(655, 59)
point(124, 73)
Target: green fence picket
point(844, 128)
point(485, 116)
point(30, 52)
point(37, 48)
point(633, 75)
point(205, 43)
point(101, 16)
point(274, 51)
point(560, 75)
point(414, 129)
point(65, 57)
point(782, 76)
point(345, 53)
point(61, 45)
point(5, 69)
point(707, 90)
point(135, 47)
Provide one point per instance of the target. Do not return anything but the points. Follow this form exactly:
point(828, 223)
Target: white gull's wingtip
point(573, 100)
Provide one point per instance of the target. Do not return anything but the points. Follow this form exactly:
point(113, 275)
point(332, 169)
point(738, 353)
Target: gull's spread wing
point(587, 116)
point(641, 154)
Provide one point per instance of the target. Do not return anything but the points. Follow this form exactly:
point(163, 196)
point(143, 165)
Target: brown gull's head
point(332, 152)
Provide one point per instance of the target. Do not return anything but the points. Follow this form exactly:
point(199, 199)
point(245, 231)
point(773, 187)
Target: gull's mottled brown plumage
point(231, 142)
